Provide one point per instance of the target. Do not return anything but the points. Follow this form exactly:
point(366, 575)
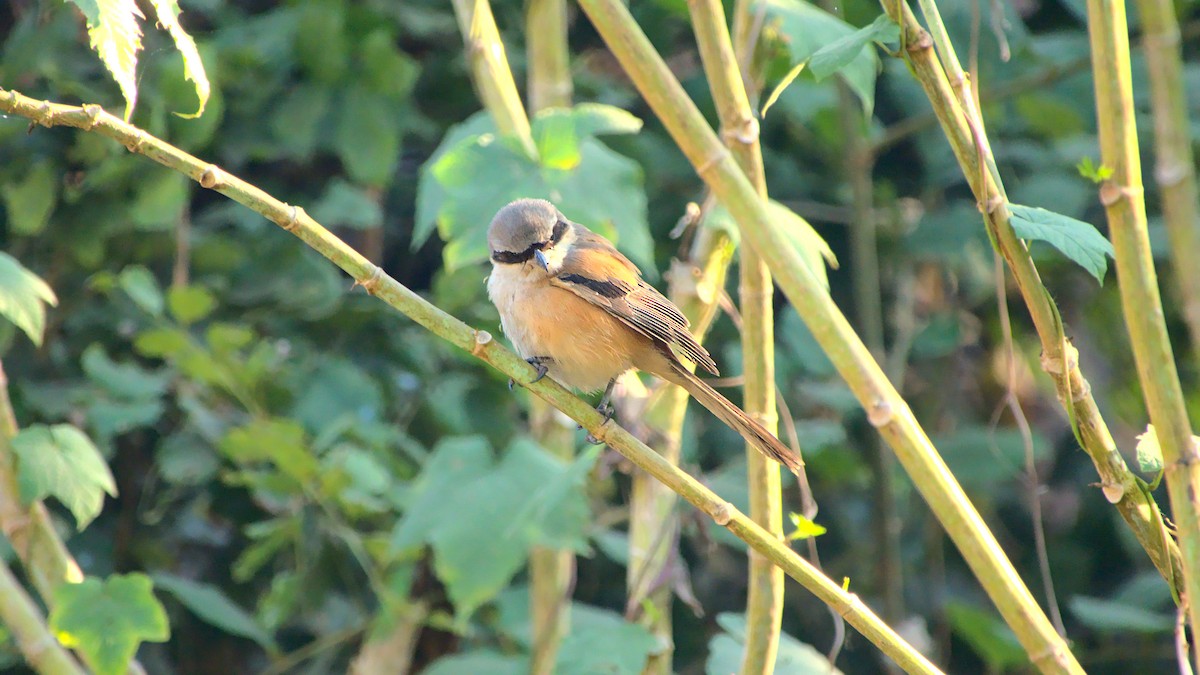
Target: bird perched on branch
point(579, 311)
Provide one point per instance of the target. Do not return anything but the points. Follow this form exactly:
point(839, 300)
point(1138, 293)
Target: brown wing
point(598, 273)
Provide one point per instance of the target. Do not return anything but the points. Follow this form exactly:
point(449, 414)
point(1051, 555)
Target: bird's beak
point(541, 260)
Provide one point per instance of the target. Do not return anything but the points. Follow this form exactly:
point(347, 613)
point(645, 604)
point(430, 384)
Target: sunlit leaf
point(189, 304)
point(167, 13)
point(23, 297)
point(116, 37)
point(107, 619)
point(803, 528)
point(1149, 453)
point(60, 461)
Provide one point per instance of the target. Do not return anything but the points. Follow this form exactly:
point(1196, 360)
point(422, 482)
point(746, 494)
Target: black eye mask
point(510, 258)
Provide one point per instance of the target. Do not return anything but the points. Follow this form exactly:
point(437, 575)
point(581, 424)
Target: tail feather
point(735, 417)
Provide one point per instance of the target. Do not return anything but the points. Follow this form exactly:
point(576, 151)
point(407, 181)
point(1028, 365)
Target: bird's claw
point(539, 365)
point(607, 410)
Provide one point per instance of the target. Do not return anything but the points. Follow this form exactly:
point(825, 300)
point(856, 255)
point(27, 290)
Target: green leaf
point(159, 200)
point(479, 662)
point(1111, 617)
point(346, 205)
point(212, 606)
point(1149, 453)
point(991, 639)
point(336, 388)
point(806, 29)
point(1075, 239)
point(804, 528)
point(107, 620)
point(189, 304)
point(601, 641)
point(30, 200)
point(23, 298)
point(366, 136)
point(471, 176)
point(122, 379)
point(116, 37)
point(278, 441)
point(167, 13)
point(1097, 174)
point(453, 463)
point(794, 657)
point(161, 342)
point(61, 461)
point(982, 457)
point(529, 498)
point(841, 52)
point(812, 247)
point(141, 287)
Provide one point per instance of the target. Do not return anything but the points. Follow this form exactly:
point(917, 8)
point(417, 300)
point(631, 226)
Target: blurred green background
point(298, 464)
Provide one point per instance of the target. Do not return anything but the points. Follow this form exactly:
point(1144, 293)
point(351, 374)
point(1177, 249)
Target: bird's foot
point(607, 410)
point(539, 364)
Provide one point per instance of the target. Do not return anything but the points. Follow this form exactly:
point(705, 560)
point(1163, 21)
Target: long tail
point(735, 417)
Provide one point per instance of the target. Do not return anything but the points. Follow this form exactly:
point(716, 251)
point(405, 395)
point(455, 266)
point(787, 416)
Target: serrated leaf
point(189, 304)
point(107, 620)
point(141, 287)
point(841, 52)
point(1108, 616)
point(473, 175)
point(1075, 239)
point(62, 462)
point(23, 298)
point(167, 12)
point(212, 606)
point(116, 37)
point(30, 200)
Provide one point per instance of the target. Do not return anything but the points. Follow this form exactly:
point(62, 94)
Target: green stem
point(695, 287)
point(18, 611)
point(1059, 357)
point(739, 128)
point(490, 72)
point(886, 410)
point(546, 51)
point(481, 345)
point(551, 571)
point(1123, 199)
point(1175, 165)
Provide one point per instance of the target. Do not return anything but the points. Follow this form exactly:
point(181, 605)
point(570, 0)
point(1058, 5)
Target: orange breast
point(589, 346)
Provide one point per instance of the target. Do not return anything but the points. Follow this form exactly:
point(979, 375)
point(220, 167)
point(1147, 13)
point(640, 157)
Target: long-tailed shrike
point(580, 312)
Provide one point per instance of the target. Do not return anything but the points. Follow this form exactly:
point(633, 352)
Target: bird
point(579, 311)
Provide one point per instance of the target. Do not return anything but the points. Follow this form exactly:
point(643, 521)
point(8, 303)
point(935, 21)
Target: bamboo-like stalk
point(1059, 358)
point(886, 410)
point(479, 344)
point(546, 51)
point(695, 287)
point(20, 614)
point(1175, 164)
point(739, 129)
point(29, 530)
point(551, 571)
point(1123, 199)
point(490, 72)
point(391, 650)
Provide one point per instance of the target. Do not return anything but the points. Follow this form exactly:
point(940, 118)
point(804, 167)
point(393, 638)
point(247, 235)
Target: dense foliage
point(295, 467)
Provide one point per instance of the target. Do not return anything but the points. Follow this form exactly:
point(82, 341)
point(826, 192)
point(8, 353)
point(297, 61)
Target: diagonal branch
point(481, 345)
point(1059, 358)
point(885, 408)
